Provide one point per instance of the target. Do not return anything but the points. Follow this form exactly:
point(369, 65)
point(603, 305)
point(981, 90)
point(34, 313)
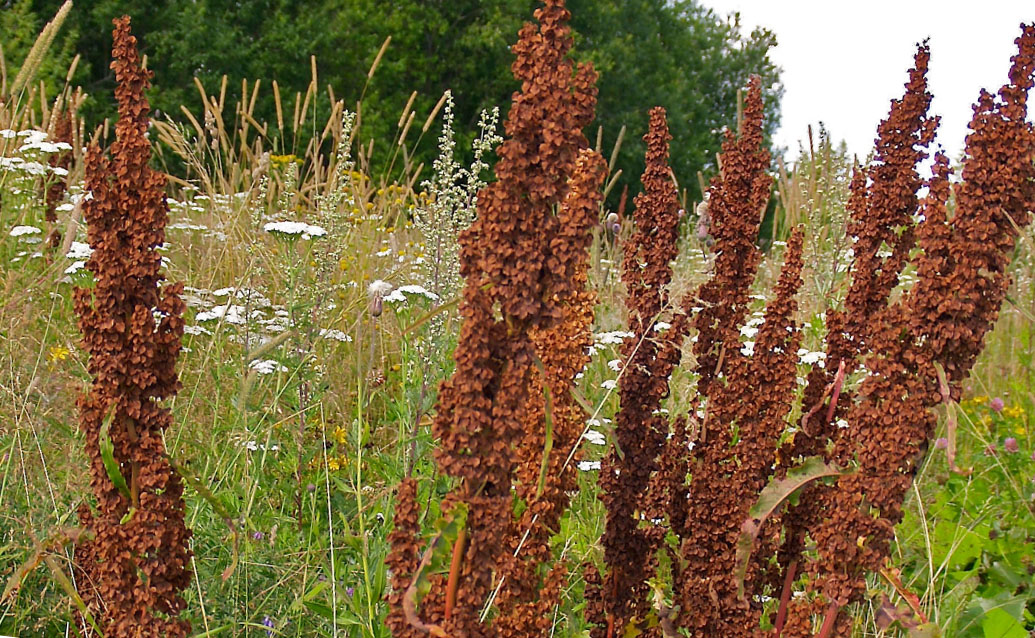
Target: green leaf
point(772, 497)
point(548, 425)
point(111, 466)
point(997, 623)
point(439, 552)
point(926, 630)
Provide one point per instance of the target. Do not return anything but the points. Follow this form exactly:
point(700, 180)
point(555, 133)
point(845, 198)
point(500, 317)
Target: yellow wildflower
point(58, 353)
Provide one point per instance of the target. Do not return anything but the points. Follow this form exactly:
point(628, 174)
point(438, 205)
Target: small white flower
point(612, 338)
point(337, 335)
point(661, 326)
point(747, 348)
point(196, 330)
point(588, 466)
point(34, 168)
point(79, 250)
point(19, 231)
point(399, 294)
point(75, 267)
point(594, 437)
point(229, 313)
point(811, 358)
point(32, 136)
point(294, 228)
point(267, 366)
point(615, 364)
point(610, 384)
point(253, 446)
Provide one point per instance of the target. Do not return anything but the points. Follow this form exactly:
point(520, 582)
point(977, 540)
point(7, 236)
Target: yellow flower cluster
point(334, 463)
point(57, 353)
point(1013, 411)
point(280, 161)
point(975, 401)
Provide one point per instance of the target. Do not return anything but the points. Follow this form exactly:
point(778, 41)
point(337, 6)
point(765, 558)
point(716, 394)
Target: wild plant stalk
point(519, 258)
point(133, 570)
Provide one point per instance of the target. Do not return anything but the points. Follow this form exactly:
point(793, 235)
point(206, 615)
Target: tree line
point(678, 54)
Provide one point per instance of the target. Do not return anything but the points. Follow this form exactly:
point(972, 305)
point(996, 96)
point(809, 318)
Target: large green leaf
point(772, 498)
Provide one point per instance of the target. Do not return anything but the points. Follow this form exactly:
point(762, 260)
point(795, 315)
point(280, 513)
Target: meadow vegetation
point(343, 474)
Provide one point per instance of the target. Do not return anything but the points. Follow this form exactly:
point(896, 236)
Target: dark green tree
point(20, 23)
point(678, 54)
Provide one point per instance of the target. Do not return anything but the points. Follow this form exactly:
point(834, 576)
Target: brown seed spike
point(132, 329)
point(940, 322)
point(649, 360)
point(523, 261)
point(882, 205)
point(736, 200)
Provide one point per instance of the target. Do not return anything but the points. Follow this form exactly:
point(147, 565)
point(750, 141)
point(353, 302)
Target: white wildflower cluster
point(267, 366)
point(750, 328)
point(452, 193)
point(402, 294)
point(602, 339)
point(24, 231)
point(294, 229)
point(253, 317)
point(255, 446)
point(809, 357)
point(27, 157)
point(23, 166)
point(218, 208)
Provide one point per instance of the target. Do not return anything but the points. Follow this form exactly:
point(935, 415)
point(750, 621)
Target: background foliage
point(647, 52)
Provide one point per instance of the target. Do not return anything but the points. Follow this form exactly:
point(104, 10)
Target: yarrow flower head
point(20, 231)
point(294, 229)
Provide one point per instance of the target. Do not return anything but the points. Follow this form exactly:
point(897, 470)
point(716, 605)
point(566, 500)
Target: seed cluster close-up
point(134, 568)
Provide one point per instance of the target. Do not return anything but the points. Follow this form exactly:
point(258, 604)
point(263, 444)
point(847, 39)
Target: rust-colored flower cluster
point(937, 327)
point(745, 392)
point(699, 533)
point(695, 506)
point(650, 356)
point(506, 418)
point(132, 572)
point(883, 202)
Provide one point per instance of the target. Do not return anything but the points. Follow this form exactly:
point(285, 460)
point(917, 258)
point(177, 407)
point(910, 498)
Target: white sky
point(844, 60)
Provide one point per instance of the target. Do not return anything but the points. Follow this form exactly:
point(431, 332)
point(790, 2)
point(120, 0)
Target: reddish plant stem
point(454, 573)
point(828, 621)
point(785, 596)
point(839, 381)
